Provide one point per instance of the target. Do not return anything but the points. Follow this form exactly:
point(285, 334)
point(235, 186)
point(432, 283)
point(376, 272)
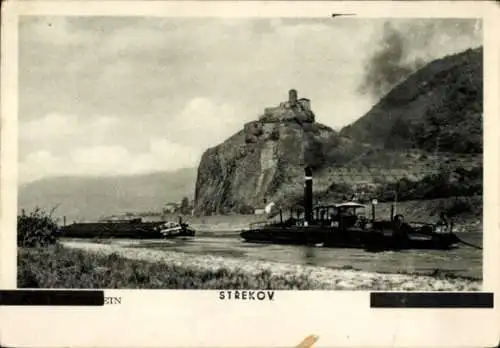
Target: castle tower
point(306, 103)
point(292, 97)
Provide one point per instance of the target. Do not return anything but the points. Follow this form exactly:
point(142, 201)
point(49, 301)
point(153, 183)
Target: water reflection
point(309, 255)
point(463, 261)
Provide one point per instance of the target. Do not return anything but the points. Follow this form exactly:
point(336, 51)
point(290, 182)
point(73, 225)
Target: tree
point(399, 136)
point(185, 208)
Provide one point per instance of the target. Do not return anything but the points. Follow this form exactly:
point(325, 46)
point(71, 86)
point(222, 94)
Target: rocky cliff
point(254, 165)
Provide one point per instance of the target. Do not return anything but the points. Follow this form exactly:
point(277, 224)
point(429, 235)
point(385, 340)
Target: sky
point(132, 95)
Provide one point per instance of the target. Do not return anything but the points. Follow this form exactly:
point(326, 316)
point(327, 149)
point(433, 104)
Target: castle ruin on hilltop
point(293, 109)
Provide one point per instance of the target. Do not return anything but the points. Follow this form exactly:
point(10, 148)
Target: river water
point(463, 261)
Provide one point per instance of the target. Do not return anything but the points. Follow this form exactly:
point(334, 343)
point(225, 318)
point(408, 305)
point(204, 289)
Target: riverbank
point(92, 265)
point(66, 267)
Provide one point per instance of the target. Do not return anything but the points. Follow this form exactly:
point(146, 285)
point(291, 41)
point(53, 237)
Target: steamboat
point(346, 225)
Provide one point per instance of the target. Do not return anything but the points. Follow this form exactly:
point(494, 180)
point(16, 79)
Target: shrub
point(434, 186)
point(246, 209)
point(36, 229)
point(249, 139)
point(460, 206)
point(275, 135)
point(257, 129)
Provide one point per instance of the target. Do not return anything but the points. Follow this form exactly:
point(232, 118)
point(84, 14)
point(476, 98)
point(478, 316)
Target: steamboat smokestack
point(308, 195)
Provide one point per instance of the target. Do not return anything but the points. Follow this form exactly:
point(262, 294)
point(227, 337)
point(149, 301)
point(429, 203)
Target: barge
point(133, 228)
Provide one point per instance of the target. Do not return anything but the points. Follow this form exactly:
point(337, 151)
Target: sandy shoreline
point(322, 277)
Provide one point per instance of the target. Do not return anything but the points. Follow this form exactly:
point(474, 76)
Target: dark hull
point(368, 240)
point(142, 230)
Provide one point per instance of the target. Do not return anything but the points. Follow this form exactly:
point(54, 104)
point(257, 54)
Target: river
point(464, 261)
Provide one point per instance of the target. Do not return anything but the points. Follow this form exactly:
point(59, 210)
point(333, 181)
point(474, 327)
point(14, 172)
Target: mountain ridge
point(89, 198)
point(443, 97)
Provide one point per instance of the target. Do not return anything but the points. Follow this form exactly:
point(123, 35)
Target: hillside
point(426, 134)
point(440, 106)
point(397, 140)
point(92, 197)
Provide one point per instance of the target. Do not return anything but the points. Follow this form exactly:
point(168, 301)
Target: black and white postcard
point(287, 160)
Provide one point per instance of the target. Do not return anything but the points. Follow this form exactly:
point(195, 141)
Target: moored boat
point(134, 228)
point(346, 225)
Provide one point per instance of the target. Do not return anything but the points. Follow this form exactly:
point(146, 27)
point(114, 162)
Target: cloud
point(165, 155)
point(48, 127)
point(161, 155)
point(100, 159)
point(114, 160)
point(204, 122)
point(56, 132)
point(39, 164)
point(58, 144)
point(52, 31)
point(121, 95)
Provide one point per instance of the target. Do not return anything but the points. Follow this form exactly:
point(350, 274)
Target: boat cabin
point(344, 215)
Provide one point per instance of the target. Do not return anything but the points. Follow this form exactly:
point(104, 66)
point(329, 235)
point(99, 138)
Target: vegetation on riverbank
point(461, 188)
point(37, 228)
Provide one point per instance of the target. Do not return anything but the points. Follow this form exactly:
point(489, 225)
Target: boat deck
point(353, 237)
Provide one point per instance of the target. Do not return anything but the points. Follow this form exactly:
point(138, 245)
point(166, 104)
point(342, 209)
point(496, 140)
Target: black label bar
point(51, 298)
point(431, 300)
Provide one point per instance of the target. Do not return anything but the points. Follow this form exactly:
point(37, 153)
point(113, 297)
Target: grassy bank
point(60, 267)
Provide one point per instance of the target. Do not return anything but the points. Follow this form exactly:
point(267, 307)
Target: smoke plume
point(405, 46)
point(388, 65)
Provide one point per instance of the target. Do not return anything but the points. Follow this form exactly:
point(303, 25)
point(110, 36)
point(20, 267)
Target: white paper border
point(184, 318)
